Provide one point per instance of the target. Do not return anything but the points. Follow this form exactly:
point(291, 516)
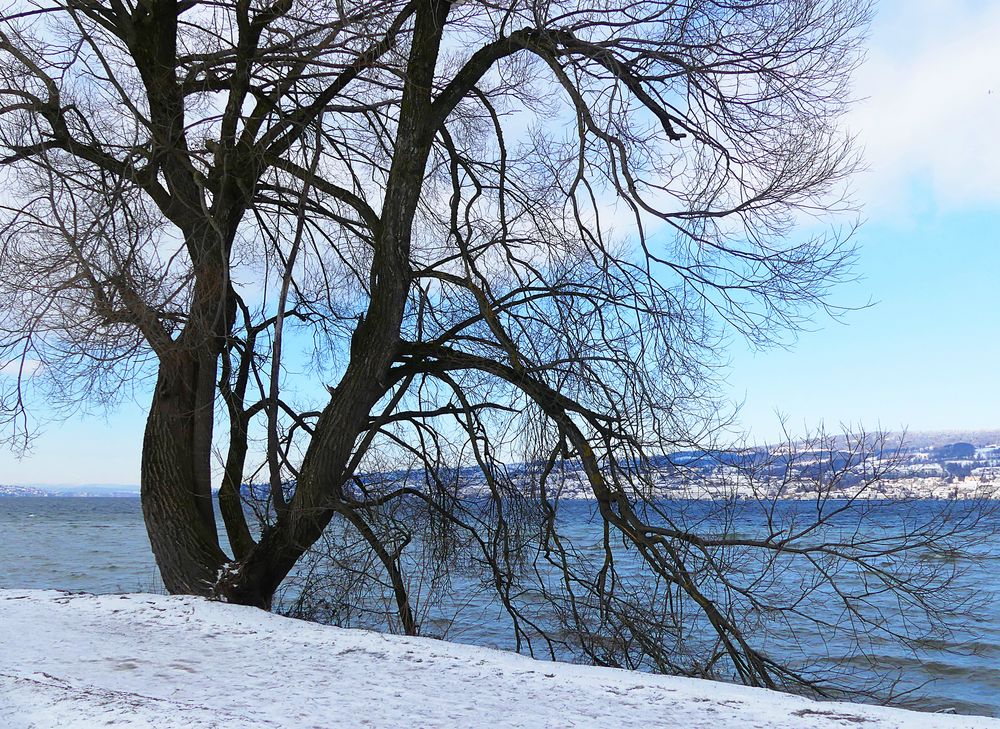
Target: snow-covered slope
point(71, 660)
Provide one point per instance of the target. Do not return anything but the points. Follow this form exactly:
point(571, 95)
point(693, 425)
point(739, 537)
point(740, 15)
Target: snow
point(79, 660)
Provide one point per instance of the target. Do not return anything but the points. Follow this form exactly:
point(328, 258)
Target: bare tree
point(490, 234)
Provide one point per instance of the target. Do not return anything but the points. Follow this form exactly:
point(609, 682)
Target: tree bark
point(176, 498)
point(230, 500)
point(374, 344)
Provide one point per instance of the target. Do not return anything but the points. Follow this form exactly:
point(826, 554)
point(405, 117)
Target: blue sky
point(925, 356)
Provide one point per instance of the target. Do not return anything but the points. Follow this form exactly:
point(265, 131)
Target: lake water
point(100, 545)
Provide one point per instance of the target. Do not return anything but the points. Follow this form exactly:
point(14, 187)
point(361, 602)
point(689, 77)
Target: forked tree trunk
point(373, 346)
point(176, 486)
point(176, 452)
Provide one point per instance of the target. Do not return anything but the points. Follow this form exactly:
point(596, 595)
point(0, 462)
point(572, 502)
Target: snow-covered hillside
point(73, 660)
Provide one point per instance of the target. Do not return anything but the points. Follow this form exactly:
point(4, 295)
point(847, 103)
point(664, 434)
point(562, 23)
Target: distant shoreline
point(939, 466)
point(581, 498)
point(78, 492)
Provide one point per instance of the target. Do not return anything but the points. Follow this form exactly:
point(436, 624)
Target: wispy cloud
point(25, 368)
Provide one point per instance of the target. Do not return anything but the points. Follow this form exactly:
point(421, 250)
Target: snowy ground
point(72, 660)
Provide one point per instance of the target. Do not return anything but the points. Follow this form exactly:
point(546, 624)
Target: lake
point(100, 545)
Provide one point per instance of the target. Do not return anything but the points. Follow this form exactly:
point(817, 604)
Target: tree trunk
point(373, 346)
point(230, 500)
point(176, 486)
point(176, 452)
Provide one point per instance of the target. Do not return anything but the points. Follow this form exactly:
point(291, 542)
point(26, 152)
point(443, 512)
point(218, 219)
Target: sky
point(924, 356)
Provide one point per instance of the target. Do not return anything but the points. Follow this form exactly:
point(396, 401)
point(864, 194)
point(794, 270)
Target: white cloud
point(931, 119)
point(25, 368)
